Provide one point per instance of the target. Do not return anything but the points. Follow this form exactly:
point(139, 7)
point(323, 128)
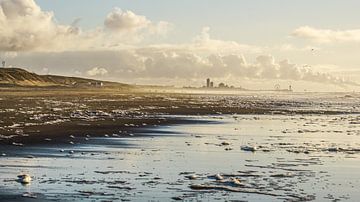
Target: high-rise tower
point(208, 83)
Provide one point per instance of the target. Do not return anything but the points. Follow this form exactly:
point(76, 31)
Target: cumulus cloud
point(327, 35)
point(125, 21)
point(127, 25)
point(155, 64)
point(97, 71)
point(31, 37)
point(25, 27)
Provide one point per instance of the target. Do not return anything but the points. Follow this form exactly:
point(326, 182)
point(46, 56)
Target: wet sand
point(33, 116)
point(141, 147)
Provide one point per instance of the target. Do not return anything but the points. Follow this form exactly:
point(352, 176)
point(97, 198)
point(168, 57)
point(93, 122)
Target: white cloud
point(97, 71)
point(327, 35)
point(127, 26)
point(205, 44)
point(125, 21)
point(33, 38)
point(157, 64)
point(25, 27)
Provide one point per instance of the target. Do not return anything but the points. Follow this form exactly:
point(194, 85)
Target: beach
point(137, 146)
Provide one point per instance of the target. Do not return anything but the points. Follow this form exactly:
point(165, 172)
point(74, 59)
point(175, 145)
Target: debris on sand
point(248, 148)
point(24, 178)
point(29, 195)
point(225, 143)
point(232, 181)
point(333, 149)
point(235, 181)
point(218, 177)
point(17, 144)
point(192, 177)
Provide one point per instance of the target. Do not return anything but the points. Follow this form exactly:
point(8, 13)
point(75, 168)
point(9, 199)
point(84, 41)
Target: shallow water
point(312, 157)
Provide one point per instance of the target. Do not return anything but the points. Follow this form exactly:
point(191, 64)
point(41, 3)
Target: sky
point(311, 45)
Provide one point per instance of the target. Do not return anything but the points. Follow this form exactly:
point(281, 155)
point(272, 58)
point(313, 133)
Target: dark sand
point(30, 116)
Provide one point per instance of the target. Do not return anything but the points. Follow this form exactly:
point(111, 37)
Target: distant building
point(221, 85)
point(96, 84)
point(3, 64)
point(211, 84)
point(278, 88)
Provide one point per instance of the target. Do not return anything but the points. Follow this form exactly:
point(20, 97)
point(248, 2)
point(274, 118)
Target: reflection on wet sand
point(295, 150)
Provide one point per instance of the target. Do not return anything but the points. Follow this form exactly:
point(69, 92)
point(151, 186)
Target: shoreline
point(32, 117)
point(69, 131)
